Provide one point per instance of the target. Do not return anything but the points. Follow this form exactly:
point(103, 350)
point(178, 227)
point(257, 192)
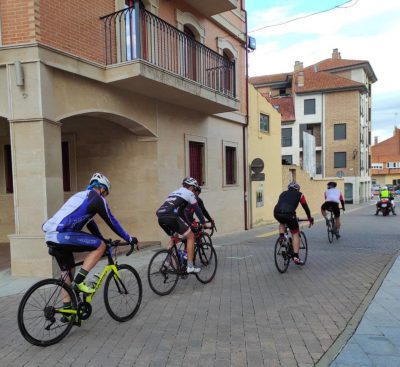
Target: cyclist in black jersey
point(285, 214)
point(171, 217)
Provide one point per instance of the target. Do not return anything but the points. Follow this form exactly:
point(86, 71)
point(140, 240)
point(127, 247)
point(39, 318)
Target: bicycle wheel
point(39, 315)
point(122, 296)
point(162, 272)
point(281, 255)
point(329, 230)
point(205, 257)
point(303, 251)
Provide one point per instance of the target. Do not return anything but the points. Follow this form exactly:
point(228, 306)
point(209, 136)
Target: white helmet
point(101, 179)
point(190, 181)
point(384, 188)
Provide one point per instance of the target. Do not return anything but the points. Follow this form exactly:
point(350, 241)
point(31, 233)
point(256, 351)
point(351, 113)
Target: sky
point(359, 29)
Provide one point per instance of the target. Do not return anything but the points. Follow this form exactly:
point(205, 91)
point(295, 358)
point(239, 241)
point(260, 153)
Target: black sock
point(67, 305)
point(80, 277)
point(296, 254)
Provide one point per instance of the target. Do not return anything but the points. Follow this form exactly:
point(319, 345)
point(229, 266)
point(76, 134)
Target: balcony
point(146, 55)
point(212, 7)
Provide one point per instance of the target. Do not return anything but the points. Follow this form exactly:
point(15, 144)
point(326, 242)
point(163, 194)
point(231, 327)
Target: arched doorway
point(7, 226)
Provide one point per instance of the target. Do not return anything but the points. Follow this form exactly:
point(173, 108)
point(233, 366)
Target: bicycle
point(168, 265)
point(284, 249)
point(42, 318)
point(331, 226)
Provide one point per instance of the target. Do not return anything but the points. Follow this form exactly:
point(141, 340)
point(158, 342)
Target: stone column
point(38, 192)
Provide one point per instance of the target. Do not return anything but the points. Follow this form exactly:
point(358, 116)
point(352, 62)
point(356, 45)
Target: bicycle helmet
point(294, 185)
point(384, 188)
point(190, 181)
point(331, 184)
point(99, 178)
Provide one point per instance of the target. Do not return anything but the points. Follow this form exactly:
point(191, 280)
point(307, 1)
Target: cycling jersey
point(333, 195)
point(177, 202)
point(77, 212)
point(288, 202)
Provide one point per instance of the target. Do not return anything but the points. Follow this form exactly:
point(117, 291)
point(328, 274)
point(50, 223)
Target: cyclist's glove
point(134, 242)
point(311, 220)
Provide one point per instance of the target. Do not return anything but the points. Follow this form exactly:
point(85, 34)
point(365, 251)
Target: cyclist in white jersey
point(171, 217)
point(333, 197)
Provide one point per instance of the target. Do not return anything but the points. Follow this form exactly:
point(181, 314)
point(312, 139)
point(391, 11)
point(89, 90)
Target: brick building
point(146, 92)
point(331, 101)
point(385, 160)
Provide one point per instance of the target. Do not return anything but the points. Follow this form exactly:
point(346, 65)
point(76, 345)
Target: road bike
point(168, 265)
point(331, 226)
point(284, 249)
point(43, 319)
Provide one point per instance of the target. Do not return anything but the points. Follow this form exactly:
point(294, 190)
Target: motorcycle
point(385, 206)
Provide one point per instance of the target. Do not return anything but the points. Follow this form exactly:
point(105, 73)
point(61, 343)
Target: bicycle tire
point(281, 256)
point(127, 292)
point(303, 250)
point(205, 257)
point(38, 309)
point(163, 267)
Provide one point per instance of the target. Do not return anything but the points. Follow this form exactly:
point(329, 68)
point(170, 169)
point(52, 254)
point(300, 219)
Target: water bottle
point(180, 254)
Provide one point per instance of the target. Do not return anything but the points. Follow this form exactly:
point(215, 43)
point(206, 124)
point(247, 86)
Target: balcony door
point(190, 54)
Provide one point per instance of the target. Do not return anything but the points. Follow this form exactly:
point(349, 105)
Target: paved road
point(250, 315)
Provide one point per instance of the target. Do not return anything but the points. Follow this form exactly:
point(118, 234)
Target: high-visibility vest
point(385, 194)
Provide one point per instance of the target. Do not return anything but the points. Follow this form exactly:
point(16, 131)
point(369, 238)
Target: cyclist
point(385, 194)
point(333, 197)
point(189, 210)
point(285, 214)
point(64, 229)
point(171, 216)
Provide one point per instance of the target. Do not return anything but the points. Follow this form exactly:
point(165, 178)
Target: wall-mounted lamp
point(19, 73)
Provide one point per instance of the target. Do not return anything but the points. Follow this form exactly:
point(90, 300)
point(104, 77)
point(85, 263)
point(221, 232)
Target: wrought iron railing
point(136, 34)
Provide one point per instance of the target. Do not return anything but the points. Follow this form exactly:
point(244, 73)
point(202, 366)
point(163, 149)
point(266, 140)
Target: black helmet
point(331, 184)
point(294, 185)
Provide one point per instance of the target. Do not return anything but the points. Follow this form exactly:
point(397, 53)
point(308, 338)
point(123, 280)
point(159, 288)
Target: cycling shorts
point(331, 205)
point(173, 223)
point(288, 219)
point(65, 243)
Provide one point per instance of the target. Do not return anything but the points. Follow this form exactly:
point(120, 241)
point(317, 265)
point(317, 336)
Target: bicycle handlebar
point(117, 243)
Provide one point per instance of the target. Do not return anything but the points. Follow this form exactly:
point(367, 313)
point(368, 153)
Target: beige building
point(144, 92)
point(331, 102)
point(264, 137)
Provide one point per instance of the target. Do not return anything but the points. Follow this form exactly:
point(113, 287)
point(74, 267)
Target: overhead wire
point(307, 15)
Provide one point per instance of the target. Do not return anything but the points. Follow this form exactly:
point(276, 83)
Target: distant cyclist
point(171, 216)
point(285, 214)
point(189, 210)
point(64, 229)
point(333, 197)
point(384, 193)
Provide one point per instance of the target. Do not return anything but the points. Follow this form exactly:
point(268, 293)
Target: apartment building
point(328, 103)
point(146, 92)
point(385, 160)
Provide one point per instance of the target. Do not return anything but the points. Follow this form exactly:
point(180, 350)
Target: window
point(377, 165)
point(287, 137)
point(264, 123)
point(196, 154)
point(309, 106)
point(8, 169)
point(339, 132)
point(287, 159)
point(340, 160)
point(392, 165)
point(230, 164)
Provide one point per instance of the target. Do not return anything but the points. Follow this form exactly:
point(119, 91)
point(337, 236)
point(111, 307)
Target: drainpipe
point(245, 165)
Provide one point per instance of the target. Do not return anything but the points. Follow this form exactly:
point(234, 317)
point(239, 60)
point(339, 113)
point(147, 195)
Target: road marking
point(275, 232)
point(238, 257)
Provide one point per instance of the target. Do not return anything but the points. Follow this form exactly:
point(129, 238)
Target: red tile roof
point(317, 81)
point(266, 79)
point(284, 105)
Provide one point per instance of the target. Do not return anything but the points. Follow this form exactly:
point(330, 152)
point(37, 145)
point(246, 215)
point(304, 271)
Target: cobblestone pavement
point(250, 315)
